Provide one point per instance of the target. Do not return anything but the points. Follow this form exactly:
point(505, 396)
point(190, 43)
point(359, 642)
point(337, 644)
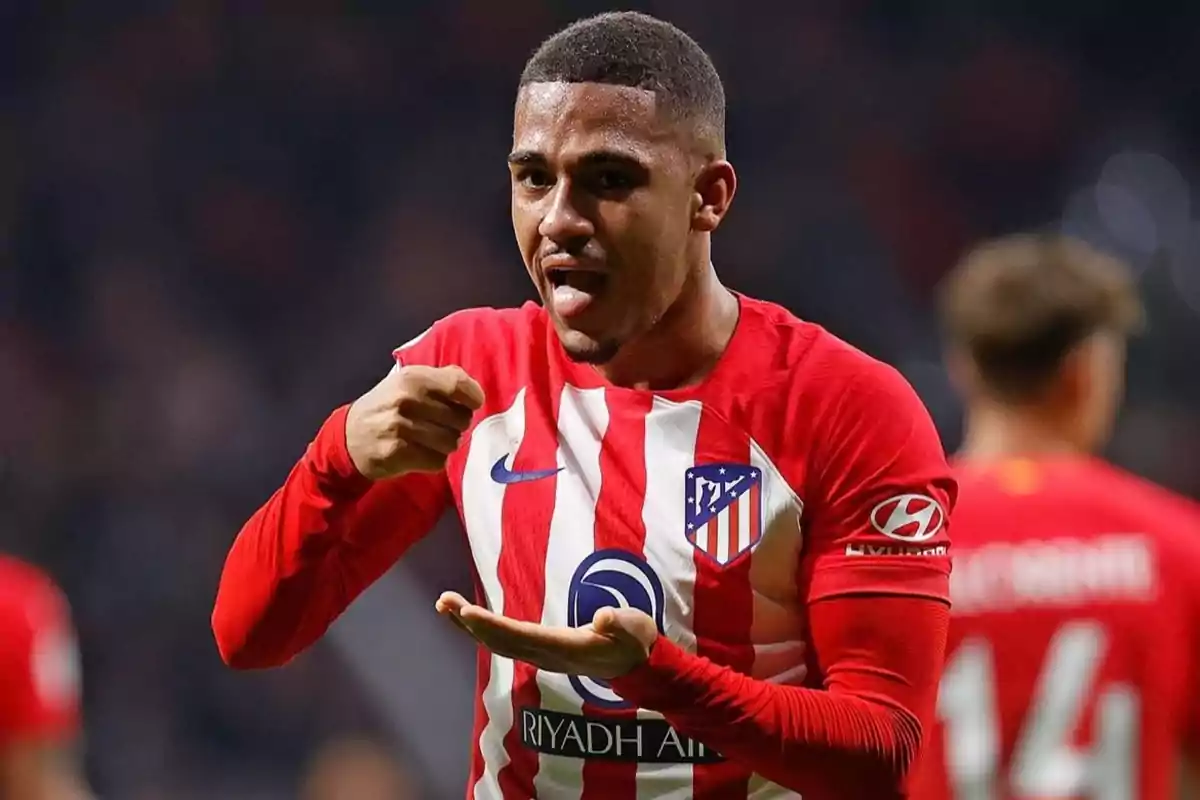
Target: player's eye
point(535, 179)
point(610, 181)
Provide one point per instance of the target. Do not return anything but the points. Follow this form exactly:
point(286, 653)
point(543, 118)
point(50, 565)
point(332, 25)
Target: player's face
point(603, 205)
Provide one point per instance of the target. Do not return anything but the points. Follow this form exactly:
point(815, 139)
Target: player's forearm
point(324, 536)
point(882, 658)
point(279, 585)
point(780, 732)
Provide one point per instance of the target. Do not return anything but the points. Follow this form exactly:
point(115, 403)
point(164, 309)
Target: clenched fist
point(411, 421)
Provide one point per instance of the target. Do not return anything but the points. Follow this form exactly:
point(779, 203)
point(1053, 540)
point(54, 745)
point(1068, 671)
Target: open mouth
point(573, 290)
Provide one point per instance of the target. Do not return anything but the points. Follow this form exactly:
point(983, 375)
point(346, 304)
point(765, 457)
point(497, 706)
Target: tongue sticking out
point(575, 290)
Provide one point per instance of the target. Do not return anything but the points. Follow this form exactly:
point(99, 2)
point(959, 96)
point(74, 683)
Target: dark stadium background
point(216, 219)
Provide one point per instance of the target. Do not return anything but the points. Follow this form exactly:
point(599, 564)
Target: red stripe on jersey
point(483, 673)
point(522, 571)
point(723, 606)
point(619, 523)
point(756, 515)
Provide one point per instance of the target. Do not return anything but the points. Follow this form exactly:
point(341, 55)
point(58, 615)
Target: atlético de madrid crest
point(723, 516)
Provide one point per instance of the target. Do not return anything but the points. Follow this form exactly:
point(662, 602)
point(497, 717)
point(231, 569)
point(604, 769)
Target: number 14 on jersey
point(1048, 760)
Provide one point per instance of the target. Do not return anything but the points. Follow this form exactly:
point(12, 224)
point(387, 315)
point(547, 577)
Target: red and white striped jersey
point(799, 470)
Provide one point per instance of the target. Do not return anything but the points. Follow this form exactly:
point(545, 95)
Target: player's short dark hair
point(1019, 304)
point(627, 48)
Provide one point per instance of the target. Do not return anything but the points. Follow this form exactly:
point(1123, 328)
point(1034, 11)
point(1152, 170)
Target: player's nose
point(564, 222)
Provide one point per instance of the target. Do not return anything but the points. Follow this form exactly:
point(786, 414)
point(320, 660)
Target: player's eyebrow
point(597, 158)
point(526, 158)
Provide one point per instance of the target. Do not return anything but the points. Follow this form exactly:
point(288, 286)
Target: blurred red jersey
point(39, 668)
point(1072, 660)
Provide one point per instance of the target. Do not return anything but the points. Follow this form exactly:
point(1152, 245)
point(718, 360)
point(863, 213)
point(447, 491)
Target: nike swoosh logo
point(502, 474)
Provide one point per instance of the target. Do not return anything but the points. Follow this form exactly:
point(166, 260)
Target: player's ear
point(1074, 382)
point(1091, 377)
point(964, 375)
point(714, 188)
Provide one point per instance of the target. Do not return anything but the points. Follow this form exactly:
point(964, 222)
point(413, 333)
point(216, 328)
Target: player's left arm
point(878, 614)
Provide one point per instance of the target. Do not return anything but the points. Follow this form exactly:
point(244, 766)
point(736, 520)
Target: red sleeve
point(874, 573)
point(39, 661)
point(876, 511)
point(855, 738)
point(326, 535)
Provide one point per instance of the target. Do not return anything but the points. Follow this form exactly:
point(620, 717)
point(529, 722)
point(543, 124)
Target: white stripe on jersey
point(582, 422)
point(780, 660)
point(671, 433)
point(775, 632)
point(483, 506)
point(722, 521)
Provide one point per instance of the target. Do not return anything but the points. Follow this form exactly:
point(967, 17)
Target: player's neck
point(686, 343)
point(994, 433)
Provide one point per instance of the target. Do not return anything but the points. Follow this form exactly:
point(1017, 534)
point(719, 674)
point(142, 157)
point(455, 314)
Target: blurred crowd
point(217, 218)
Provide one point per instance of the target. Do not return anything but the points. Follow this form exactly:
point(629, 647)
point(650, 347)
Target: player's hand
point(617, 641)
point(411, 420)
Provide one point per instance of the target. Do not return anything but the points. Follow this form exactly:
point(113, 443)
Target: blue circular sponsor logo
point(611, 579)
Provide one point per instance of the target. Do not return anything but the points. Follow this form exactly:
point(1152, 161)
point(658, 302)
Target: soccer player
point(710, 539)
point(39, 689)
point(1072, 663)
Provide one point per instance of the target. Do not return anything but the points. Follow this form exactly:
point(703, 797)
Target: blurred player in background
point(39, 689)
point(356, 769)
point(1072, 664)
point(633, 459)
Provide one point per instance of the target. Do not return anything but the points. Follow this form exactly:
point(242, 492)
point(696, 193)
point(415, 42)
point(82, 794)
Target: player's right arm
point(370, 484)
point(39, 701)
